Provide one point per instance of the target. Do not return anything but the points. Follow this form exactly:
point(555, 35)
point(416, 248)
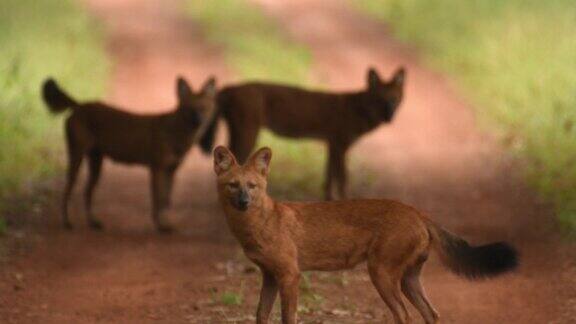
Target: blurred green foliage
point(254, 46)
point(40, 38)
point(256, 49)
point(516, 60)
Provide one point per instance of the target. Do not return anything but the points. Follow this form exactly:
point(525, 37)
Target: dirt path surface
point(433, 156)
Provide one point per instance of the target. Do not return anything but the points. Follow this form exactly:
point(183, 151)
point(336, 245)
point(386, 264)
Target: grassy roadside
point(516, 60)
point(41, 38)
point(256, 49)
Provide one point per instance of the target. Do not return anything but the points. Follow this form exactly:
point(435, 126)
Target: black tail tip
point(49, 83)
point(49, 87)
point(494, 259)
point(505, 256)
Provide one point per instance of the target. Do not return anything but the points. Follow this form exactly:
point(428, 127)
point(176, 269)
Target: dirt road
point(433, 156)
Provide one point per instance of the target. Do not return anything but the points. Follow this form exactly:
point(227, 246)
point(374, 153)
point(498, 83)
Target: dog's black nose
point(243, 200)
point(243, 205)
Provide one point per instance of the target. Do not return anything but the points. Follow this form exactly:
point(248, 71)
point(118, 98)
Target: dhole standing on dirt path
point(286, 238)
point(339, 119)
point(96, 130)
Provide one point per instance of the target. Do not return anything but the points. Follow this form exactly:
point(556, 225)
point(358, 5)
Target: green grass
point(229, 298)
point(41, 38)
point(256, 49)
point(516, 60)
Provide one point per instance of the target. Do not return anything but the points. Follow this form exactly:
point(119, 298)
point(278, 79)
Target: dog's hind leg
point(95, 158)
point(341, 173)
point(413, 290)
point(388, 287)
point(78, 140)
point(335, 171)
point(328, 180)
point(386, 266)
point(74, 163)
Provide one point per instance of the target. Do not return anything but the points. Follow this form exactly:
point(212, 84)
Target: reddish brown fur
point(286, 238)
point(96, 130)
point(339, 119)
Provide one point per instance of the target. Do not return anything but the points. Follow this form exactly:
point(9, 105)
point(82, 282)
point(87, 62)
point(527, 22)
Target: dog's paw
point(68, 225)
point(165, 229)
point(96, 225)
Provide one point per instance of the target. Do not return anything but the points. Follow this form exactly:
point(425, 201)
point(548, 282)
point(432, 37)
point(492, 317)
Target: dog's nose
point(243, 204)
point(243, 200)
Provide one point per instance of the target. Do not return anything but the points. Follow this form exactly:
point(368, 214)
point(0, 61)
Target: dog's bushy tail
point(207, 140)
point(55, 98)
point(472, 262)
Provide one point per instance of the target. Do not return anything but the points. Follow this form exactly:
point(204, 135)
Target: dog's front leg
point(159, 199)
point(288, 283)
point(267, 297)
point(169, 185)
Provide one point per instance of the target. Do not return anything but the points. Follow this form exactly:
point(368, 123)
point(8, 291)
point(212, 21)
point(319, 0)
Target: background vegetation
point(41, 38)
point(516, 59)
point(256, 49)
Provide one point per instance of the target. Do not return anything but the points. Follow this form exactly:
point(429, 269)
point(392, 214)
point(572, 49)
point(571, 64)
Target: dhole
point(96, 130)
point(286, 238)
point(339, 119)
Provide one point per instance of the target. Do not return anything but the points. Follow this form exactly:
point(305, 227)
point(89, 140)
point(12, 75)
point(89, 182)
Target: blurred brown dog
point(339, 119)
point(286, 238)
point(96, 130)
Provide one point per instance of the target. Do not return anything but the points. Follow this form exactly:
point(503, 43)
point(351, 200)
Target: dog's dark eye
point(251, 185)
point(233, 185)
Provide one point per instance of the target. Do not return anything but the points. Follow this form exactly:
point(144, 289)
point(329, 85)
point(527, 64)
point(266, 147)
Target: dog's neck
point(248, 226)
point(187, 119)
point(369, 114)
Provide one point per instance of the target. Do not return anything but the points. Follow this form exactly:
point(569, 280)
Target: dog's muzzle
point(390, 110)
point(242, 201)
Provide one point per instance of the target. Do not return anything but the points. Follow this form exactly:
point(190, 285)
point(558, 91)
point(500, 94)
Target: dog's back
point(339, 234)
point(118, 134)
point(287, 110)
point(122, 136)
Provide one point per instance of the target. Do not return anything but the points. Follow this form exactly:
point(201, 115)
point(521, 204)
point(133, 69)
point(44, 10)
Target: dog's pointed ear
point(223, 160)
point(398, 77)
point(183, 90)
point(261, 160)
point(209, 87)
point(372, 78)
